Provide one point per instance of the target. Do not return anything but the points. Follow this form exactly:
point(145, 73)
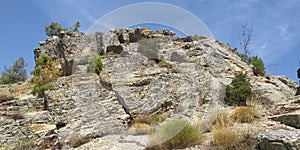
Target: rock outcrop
point(280, 140)
point(144, 72)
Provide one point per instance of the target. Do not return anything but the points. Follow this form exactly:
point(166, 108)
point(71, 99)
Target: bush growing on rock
point(258, 66)
point(238, 91)
point(44, 74)
point(95, 64)
point(76, 26)
point(298, 91)
point(245, 58)
point(54, 29)
point(15, 73)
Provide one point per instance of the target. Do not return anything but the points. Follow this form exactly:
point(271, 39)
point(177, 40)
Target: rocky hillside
point(146, 74)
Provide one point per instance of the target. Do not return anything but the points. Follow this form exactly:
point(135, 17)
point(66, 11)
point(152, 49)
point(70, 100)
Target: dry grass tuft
point(186, 135)
point(139, 129)
point(150, 119)
point(223, 120)
point(79, 140)
point(164, 64)
point(245, 114)
point(225, 137)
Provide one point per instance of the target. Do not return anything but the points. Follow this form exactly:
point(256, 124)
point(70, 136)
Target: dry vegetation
point(187, 136)
point(79, 140)
point(164, 64)
point(5, 97)
point(227, 135)
point(150, 119)
point(245, 114)
point(139, 129)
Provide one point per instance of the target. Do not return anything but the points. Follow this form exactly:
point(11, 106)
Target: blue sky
point(276, 25)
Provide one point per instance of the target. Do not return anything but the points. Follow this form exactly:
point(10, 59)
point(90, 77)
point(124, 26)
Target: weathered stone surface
point(61, 49)
point(150, 72)
point(85, 108)
point(279, 140)
point(116, 142)
point(290, 119)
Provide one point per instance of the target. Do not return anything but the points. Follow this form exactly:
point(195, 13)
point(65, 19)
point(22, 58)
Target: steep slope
point(145, 72)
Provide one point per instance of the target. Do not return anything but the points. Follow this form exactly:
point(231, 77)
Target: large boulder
point(290, 119)
point(81, 107)
point(279, 140)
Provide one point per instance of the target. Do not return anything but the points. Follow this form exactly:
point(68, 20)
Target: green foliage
point(187, 136)
point(44, 74)
point(298, 91)
point(76, 26)
point(54, 29)
point(197, 37)
point(28, 144)
point(258, 66)
point(238, 91)
point(15, 73)
point(95, 64)
point(244, 57)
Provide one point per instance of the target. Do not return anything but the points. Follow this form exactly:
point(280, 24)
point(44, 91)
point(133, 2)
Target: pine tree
point(76, 26)
point(54, 29)
point(15, 73)
point(44, 75)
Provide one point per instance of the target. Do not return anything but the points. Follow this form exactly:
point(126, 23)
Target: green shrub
point(298, 91)
point(245, 58)
point(238, 91)
point(28, 144)
point(258, 66)
point(187, 136)
point(95, 64)
point(44, 74)
point(15, 73)
point(54, 29)
point(76, 26)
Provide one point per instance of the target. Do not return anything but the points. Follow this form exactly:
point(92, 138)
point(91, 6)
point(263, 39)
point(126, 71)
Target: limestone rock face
point(279, 140)
point(290, 119)
point(83, 109)
point(144, 72)
point(61, 49)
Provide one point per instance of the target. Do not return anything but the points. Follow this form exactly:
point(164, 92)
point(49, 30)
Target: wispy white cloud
point(83, 11)
point(285, 32)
